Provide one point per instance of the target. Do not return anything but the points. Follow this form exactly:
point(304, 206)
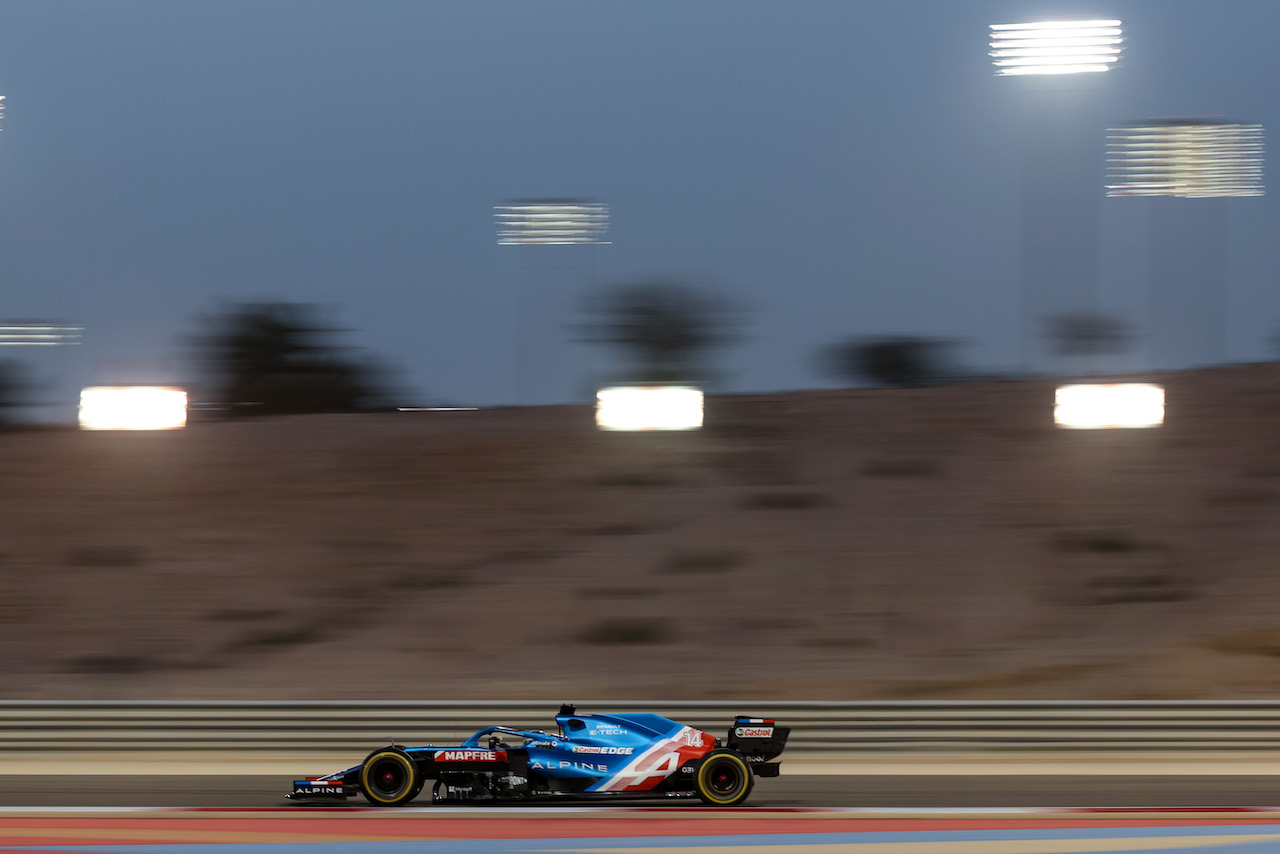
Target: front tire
point(390, 778)
point(723, 779)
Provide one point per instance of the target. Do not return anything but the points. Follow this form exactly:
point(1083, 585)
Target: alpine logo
point(565, 764)
point(754, 732)
point(471, 756)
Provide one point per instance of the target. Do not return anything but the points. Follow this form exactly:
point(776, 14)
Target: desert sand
point(853, 544)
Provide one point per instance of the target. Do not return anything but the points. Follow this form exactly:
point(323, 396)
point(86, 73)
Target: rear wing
point(758, 739)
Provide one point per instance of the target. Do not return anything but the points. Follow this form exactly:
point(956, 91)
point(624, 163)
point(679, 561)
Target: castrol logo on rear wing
point(754, 732)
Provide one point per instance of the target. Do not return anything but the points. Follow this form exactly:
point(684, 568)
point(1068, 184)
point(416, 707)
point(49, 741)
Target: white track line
point(827, 812)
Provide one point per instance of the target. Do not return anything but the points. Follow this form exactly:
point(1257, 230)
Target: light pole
point(1061, 166)
point(556, 239)
point(1185, 166)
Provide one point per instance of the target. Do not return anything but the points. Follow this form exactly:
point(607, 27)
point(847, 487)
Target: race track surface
point(891, 792)
point(611, 830)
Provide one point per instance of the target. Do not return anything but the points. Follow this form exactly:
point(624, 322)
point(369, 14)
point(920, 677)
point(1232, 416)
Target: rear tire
point(390, 778)
point(723, 779)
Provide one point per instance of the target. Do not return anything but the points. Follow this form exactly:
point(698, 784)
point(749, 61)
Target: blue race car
point(590, 756)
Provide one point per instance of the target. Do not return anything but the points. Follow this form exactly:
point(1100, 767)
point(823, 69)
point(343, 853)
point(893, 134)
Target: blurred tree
point(13, 391)
point(1274, 341)
point(900, 361)
point(664, 327)
point(276, 358)
point(1088, 334)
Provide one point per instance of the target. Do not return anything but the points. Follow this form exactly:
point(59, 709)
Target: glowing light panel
point(132, 408)
point(649, 408)
point(1055, 47)
point(37, 333)
point(551, 221)
point(1101, 407)
point(1192, 158)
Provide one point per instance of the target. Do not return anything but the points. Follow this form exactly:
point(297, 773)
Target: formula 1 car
point(590, 756)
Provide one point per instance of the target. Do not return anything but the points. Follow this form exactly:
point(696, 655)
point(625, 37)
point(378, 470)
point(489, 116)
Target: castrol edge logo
point(471, 756)
point(754, 732)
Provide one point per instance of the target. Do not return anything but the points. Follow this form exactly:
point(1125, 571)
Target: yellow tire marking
point(702, 783)
point(364, 775)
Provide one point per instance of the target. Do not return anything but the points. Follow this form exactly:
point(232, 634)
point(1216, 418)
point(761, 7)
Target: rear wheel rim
point(725, 780)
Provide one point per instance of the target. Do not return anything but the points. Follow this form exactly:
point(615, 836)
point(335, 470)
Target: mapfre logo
point(755, 732)
point(471, 756)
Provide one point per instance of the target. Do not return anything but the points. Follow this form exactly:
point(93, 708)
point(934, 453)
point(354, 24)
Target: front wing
point(315, 788)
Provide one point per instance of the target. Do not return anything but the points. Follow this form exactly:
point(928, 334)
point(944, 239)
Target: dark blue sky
point(846, 168)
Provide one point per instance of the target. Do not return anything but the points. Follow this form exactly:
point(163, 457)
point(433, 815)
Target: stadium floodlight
point(37, 333)
point(1107, 406)
point(649, 408)
point(1191, 158)
point(132, 408)
point(1055, 47)
point(525, 222)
